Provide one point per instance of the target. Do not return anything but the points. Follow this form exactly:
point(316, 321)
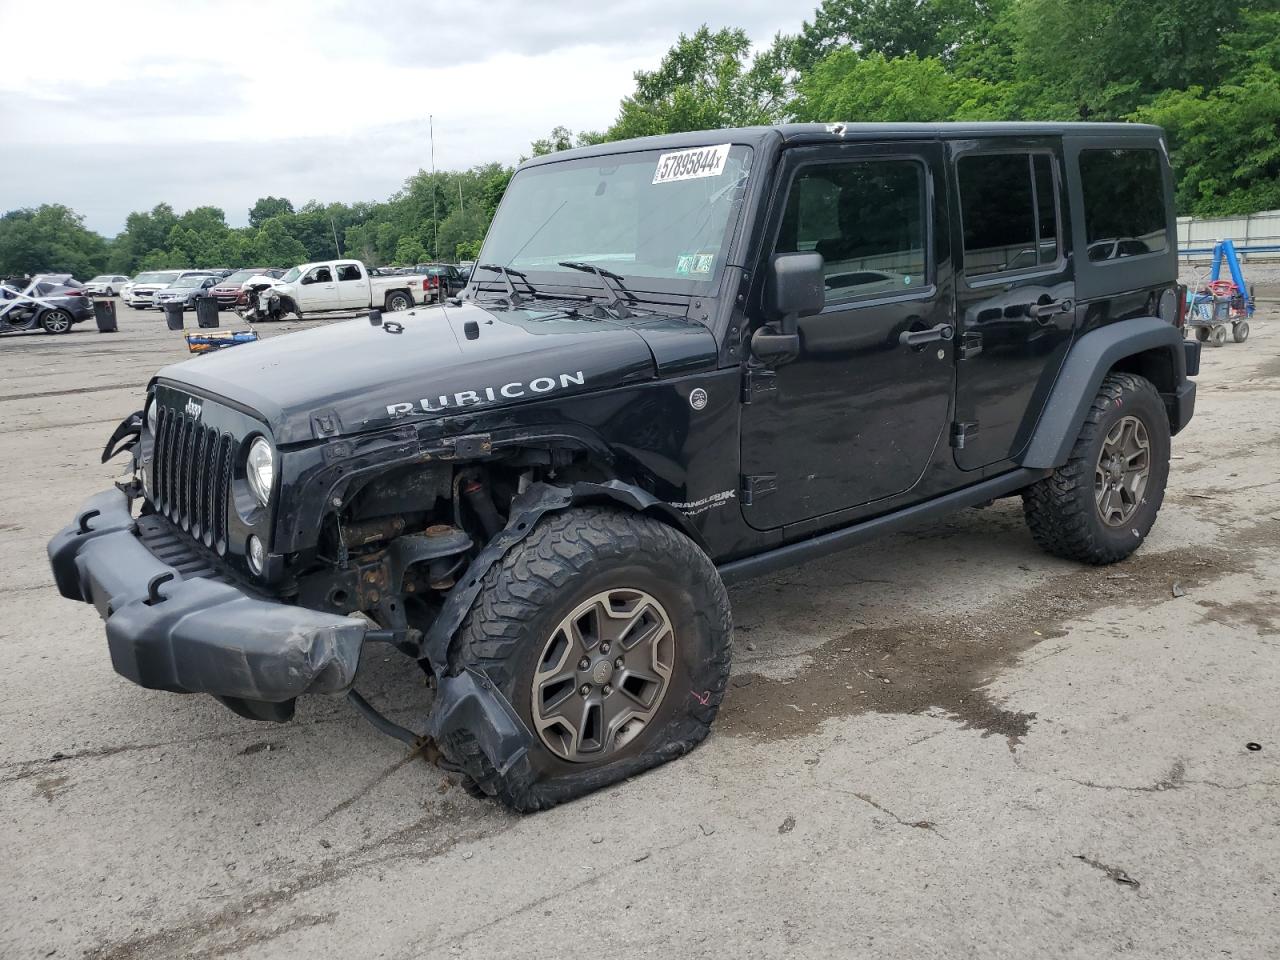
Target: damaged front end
point(403, 533)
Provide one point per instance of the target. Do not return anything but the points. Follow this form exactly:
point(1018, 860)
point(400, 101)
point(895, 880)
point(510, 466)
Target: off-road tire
point(1061, 510)
point(570, 556)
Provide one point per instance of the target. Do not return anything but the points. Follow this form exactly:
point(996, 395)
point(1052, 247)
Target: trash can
point(206, 311)
point(173, 315)
point(104, 311)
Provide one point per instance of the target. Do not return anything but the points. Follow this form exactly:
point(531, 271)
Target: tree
point(409, 250)
point(848, 86)
point(264, 208)
point(273, 246)
point(894, 28)
point(705, 81)
point(464, 227)
point(49, 239)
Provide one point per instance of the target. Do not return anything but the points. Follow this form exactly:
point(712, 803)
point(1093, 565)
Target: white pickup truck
point(333, 286)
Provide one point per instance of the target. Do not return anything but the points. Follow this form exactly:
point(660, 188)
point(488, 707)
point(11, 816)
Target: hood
point(360, 377)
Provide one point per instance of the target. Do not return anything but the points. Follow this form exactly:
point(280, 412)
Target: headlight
point(151, 417)
point(261, 469)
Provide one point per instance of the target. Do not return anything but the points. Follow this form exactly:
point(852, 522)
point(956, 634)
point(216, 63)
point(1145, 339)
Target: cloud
point(223, 102)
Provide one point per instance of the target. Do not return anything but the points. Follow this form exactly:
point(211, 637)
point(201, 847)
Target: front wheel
point(1240, 331)
point(610, 634)
point(1100, 505)
point(56, 321)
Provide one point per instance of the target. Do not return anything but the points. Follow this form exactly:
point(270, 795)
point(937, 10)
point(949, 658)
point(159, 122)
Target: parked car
point(444, 279)
point(755, 348)
point(332, 285)
point(141, 290)
point(227, 290)
point(106, 284)
point(64, 306)
point(465, 267)
point(185, 289)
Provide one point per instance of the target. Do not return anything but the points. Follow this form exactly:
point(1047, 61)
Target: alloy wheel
point(1120, 477)
point(603, 674)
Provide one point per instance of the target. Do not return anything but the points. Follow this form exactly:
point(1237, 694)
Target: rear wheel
point(398, 300)
point(610, 634)
point(56, 321)
point(1100, 505)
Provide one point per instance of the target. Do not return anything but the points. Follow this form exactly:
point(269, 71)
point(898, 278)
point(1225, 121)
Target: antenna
point(435, 226)
point(335, 237)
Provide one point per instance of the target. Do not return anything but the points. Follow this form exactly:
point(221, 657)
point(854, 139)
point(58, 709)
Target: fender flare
point(526, 510)
point(1090, 360)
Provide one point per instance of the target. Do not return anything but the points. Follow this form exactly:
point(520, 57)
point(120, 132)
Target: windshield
point(293, 274)
point(240, 276)
point(156, 277)
point(655, 215)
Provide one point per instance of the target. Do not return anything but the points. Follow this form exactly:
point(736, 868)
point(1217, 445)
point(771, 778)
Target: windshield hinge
point(757, 381)
point(465, 448)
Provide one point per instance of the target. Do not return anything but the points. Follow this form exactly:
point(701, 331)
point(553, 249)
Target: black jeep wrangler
point(679, 362)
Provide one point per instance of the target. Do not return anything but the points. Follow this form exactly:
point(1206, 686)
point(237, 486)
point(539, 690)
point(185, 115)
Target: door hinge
point(970, 345)
point(758, 486)
point(963, 432)
point(756, 381)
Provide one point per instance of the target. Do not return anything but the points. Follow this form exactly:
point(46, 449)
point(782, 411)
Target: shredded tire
point(565, 557)
point(1060, 509)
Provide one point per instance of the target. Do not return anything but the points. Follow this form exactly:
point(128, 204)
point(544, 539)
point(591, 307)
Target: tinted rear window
point(1008, 209)
point(1124, 203)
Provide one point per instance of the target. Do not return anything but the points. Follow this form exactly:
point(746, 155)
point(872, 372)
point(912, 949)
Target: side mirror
point(795, 287)
point(307, 279)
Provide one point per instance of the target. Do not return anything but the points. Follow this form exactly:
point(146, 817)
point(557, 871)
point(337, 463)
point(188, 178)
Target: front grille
point(192, 476)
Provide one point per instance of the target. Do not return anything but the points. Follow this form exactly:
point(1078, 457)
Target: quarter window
point(1124, 203)
point(867, 219)
point(1009, 211)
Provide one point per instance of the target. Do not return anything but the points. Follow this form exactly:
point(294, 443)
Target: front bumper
point(192, 632)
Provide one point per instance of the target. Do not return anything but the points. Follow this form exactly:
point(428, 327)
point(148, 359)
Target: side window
point(321, 275)
point(348, 271)
point(1009, 211)
point(1124, 204)
point(866, 218)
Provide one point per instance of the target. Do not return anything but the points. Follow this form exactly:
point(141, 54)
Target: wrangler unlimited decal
point(510, 391)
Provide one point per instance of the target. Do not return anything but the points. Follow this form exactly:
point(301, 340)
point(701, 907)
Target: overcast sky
point(111, 107)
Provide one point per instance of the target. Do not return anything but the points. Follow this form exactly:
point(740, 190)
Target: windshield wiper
point(513, 296)
point(615, 302)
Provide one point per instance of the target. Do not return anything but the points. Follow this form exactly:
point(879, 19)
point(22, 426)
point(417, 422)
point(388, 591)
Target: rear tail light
point(430, 283)
point(1181, 290)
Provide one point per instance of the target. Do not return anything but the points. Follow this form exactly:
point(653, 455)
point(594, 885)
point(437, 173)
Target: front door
point(318, 290)
point(1015, 292)
point(857, 415)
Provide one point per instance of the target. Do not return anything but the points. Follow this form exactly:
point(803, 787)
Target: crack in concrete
point(928, 825)
point(1115, 873)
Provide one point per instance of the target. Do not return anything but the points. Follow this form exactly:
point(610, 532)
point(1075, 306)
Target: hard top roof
point(795, 133)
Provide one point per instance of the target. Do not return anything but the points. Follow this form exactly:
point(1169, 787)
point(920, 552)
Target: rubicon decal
point(493, 394)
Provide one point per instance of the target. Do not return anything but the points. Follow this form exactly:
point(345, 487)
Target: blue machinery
point(1219, 302)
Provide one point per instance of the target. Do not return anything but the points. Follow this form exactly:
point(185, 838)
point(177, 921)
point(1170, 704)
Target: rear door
point(1015, 290)
point(353, 286)
point(857, 415)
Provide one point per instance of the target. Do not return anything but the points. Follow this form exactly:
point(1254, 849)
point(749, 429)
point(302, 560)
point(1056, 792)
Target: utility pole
point(334, 227)
point(435, 224)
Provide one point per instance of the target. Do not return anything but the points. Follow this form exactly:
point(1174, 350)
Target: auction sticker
point(691, 164)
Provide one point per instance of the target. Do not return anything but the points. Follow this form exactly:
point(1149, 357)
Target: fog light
point(257, 555)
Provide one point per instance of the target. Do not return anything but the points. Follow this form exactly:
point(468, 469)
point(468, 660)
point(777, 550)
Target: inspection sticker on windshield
point(691, 164)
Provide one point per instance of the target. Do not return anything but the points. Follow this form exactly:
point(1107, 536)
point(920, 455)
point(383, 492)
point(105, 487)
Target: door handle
point(1043, 311)
point(916, 338)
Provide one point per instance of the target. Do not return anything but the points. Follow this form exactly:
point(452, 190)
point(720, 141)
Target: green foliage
point(409, 250)
point(264, 208)
point(849, 86)
point(50, 239)
point(705, 81)
point(273, 246)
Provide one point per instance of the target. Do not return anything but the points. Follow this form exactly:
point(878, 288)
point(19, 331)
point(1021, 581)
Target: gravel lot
point(943, 744)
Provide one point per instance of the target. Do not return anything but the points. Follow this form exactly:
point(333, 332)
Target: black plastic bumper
point(197, 635)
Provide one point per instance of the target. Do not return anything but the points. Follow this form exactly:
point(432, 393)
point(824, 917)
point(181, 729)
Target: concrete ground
point(942, 744)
